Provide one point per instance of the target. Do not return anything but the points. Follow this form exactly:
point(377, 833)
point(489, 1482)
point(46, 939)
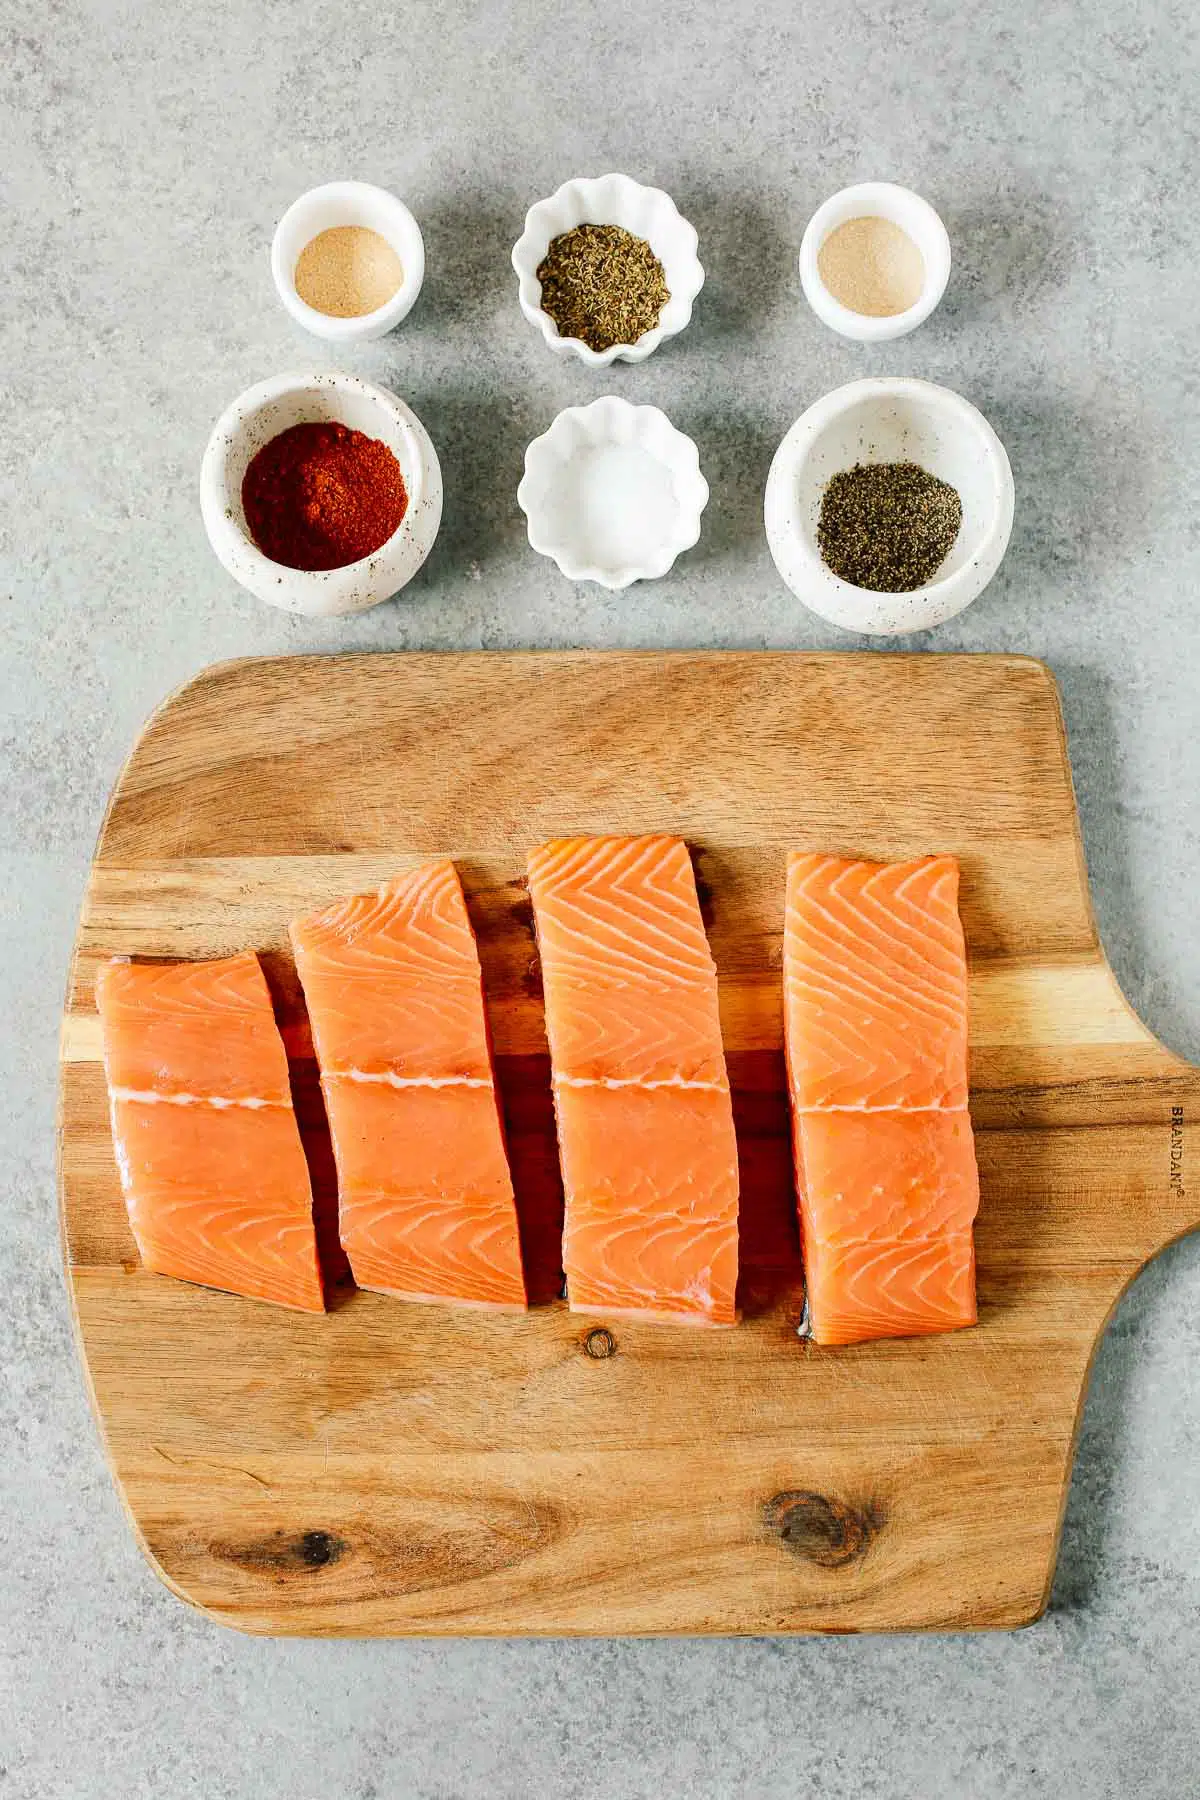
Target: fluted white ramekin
point(611, 200)
point(612, 492)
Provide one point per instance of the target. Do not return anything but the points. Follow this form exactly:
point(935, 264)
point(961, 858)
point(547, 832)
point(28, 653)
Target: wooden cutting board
point(410, 1469)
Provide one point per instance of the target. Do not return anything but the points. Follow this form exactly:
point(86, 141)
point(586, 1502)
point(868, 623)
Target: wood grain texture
point(408, 1469)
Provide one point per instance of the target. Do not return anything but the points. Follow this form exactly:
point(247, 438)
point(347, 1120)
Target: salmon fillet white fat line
point(395, 997)
point(645, 1120)
point(875, 990)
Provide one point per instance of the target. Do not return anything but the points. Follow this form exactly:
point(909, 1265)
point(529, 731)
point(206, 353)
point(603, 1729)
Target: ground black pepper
point(602, 284)
point(887, 526)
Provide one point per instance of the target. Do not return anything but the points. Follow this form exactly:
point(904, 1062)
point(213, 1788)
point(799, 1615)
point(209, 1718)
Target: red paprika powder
point(320, 496)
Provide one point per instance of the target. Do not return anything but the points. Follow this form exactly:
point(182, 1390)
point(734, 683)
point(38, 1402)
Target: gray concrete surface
point(145, 153)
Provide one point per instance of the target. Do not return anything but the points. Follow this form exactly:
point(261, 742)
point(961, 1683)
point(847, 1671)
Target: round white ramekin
point(348, 203)
point(890, 420)
point(876, 200)
point(260, 414)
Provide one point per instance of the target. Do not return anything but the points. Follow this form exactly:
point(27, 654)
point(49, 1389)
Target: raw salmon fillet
point(395, 999)
point(875, 1009)
point(645, 1122)
point(207, 1145)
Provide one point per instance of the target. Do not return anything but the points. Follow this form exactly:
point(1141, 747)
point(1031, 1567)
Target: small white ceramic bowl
point(260, 414)
point(893, 420)
point(612, 492)
point(876, 200)
point(348, 203)
point(611, 200)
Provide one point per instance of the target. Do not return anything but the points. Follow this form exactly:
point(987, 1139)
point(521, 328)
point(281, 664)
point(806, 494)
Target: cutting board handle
point(1167, 1195)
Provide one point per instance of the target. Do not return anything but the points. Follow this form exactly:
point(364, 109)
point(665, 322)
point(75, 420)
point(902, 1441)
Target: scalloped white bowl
point(611, 200)
point(612, 492)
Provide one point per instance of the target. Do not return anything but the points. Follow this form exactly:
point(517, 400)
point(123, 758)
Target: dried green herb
point(602, 284)
point(887, 526)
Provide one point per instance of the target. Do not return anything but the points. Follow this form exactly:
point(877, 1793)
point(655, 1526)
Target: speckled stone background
point(145, 153)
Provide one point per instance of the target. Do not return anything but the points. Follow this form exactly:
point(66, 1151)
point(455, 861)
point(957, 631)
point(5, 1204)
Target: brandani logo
point(1175, 1175)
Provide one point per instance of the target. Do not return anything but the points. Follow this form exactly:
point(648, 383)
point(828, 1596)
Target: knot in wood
point(317, 1548)
point(830, 1533)
point(600, 1344)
